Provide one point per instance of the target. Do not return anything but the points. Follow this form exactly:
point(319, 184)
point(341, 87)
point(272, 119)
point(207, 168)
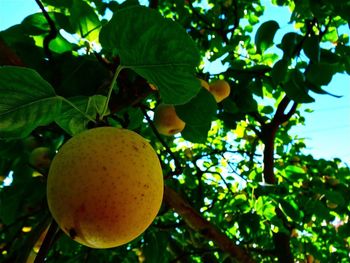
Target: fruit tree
point(119, 145)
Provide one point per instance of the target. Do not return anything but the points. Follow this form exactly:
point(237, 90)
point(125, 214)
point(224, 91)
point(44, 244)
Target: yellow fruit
point(331, 205)
point(153, 87)
point(105, 187)
point(220, 90)
point(40, 158)
point(204, 84)
point(166, 120)
point(310, 259)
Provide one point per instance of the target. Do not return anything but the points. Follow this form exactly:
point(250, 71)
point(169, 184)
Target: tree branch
point(153, 4)
point(268, 135)
point(178, 166)
point(52, 33)
point(195, 221)
point(47, 243)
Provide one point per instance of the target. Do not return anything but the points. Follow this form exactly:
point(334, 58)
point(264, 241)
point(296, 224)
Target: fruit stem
point(76, 108)
point(110, 89)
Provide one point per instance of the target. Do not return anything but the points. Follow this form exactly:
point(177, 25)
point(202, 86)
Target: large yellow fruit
point(166, 120)
point(105, 187)
point(220, 89)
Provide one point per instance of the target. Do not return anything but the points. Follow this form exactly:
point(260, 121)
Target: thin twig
point(178, 166)
point(47, 243)
point(52, 33)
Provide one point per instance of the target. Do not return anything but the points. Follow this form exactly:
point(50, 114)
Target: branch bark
point(195, 221)
point(268, 135)
point(52, 33)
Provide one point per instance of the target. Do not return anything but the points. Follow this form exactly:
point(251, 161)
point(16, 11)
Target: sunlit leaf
point(73, 121)
point(145, 42)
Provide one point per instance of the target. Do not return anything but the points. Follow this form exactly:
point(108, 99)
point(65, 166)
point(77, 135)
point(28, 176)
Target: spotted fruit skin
point(105, 187)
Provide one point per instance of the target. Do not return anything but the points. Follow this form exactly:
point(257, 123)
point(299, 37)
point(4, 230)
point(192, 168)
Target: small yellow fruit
point(204, 84)
point(331, 205)
point(40, 158)
point(166, 120)
point(153, 87)
point(105, 187)
point(220, 90)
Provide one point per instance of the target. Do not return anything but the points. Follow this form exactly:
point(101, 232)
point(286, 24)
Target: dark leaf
point(320, 74)
point(295, 88)
point(311, 47)
point(26, 102)
point(201, 109)
point(279, 71)
point(196, 134)
point(265, 34)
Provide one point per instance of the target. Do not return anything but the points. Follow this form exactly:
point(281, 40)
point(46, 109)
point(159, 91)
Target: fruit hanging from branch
point(105, 187)
point(220, 89)
point(166, 120)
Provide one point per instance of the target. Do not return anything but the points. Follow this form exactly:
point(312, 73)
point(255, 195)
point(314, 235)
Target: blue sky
point(327, 129)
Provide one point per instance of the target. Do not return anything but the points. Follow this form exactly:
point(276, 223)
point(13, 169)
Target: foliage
point(234, 176)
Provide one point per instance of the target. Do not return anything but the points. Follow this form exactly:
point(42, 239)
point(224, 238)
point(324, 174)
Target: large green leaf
point(320, 74)
point(201, 109)
point(26, 102)
point(158, 49)
point(196, 134)
point(155, 246)
point(73, 121)
point(36, 24)
point(279, 71)
point(265, 34)
point(311, 48)
point(295, 88)
point(289, 44)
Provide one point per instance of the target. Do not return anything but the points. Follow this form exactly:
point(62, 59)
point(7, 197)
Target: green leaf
point(81, 76)
point(36, 24)
point(196, 134)
point(279, 71)
point(155, 246)
point(26, 102)
point(84, 20)
point(289, 44)
point(156, 48)
point(201, 109)
point(291, 209)
point(73, 121)
point(317, 89)
point(335, 197)
point(265, 34)
point(320, 74)
point(245, 100)
point(295, 88)
point(61, 45)
point(311, 47)
point(10, 204)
